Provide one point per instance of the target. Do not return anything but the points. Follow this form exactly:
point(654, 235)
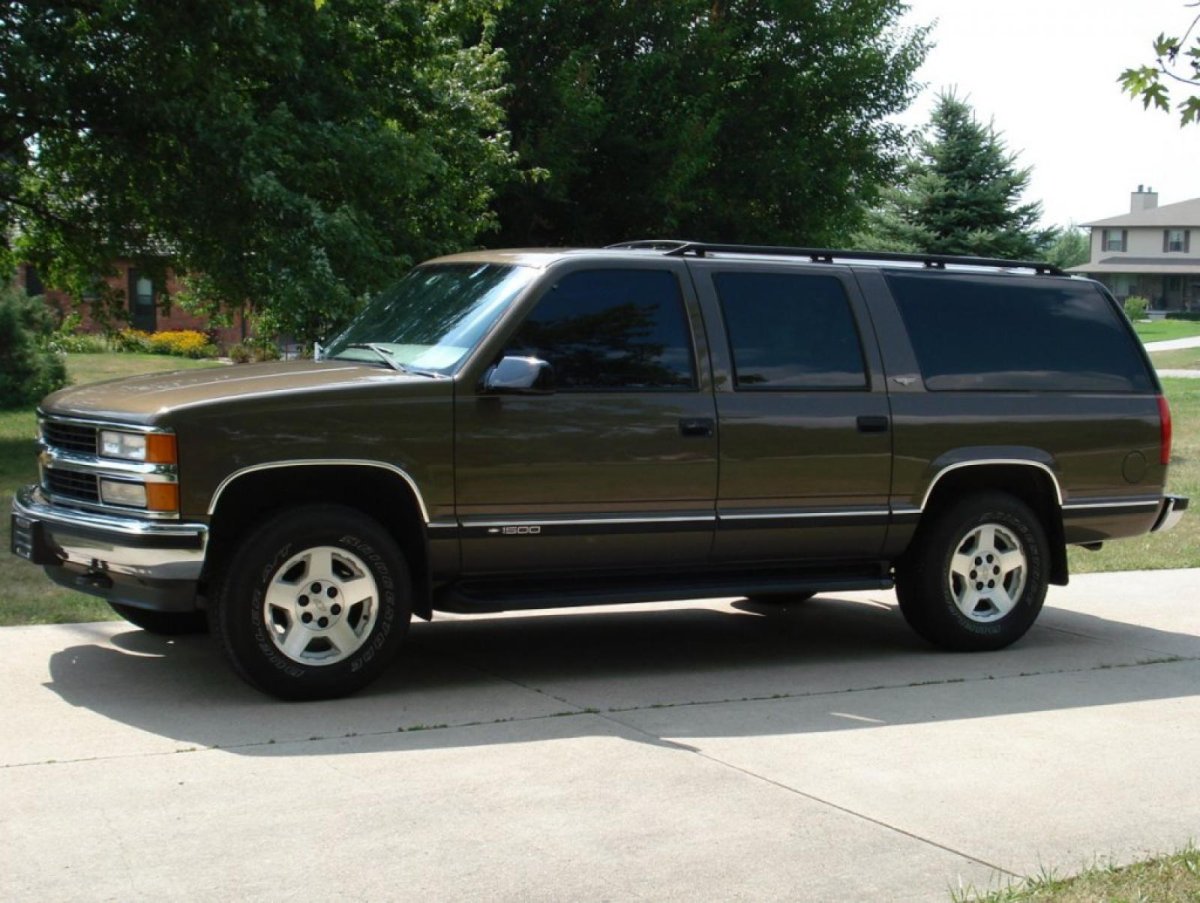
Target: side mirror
point(520, 376)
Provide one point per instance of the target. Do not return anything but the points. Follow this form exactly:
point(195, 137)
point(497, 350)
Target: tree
point(735, 120)
point(960, 194)
point(29, 367)
point(1175, 61)
point(293, 155)
point(1070, 246)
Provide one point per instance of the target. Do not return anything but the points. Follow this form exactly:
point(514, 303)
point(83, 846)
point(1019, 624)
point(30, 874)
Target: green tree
point(1176, 62)
point(1070, 246)
point(292, 155)
point(960, 194)
point(29, 367)
point(735, 120)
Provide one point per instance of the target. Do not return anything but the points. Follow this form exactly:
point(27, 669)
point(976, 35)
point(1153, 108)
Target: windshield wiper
point(383, 353)
point(386, 355)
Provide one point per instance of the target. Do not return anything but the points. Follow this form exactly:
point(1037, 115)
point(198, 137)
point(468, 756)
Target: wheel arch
point(1031, 481)
point(382, 491)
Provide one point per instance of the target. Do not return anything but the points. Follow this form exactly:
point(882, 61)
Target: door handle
point(872, 424)
point(701, 427)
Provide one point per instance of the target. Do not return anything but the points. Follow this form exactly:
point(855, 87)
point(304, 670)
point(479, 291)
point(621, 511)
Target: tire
point(281, 617)
point(977, 575)
point(163, 623)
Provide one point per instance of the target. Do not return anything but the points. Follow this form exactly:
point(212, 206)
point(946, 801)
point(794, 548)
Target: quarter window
point(611, 330)
point(790, 331)
point(1013, 334)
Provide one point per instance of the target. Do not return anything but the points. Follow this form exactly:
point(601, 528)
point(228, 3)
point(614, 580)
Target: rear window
point(981, 333)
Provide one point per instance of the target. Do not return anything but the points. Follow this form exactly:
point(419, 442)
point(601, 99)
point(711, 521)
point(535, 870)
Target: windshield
point(431, 319)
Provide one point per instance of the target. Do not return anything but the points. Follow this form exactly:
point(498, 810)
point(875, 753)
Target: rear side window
point(790, 331)
point(611, 330)
point(1010, 335)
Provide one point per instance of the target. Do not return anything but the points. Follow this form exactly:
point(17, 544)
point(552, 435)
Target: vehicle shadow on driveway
point(465, 682)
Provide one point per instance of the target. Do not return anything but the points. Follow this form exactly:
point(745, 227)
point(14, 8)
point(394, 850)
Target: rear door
point(806, 444)
point(618, 467)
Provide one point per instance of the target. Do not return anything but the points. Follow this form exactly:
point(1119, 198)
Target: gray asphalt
point(716, 751)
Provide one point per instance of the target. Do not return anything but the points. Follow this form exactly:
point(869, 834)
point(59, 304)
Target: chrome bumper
point(52, 535)
point(1169, 513)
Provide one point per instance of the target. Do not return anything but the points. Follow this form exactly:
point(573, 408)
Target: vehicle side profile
point(655, 420)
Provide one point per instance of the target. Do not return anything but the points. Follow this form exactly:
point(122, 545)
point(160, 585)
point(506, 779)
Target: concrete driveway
point(690, 751)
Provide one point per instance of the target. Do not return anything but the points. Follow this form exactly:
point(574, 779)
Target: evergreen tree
point(961, 194)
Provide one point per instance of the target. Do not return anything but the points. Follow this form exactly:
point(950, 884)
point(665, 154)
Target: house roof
point(1184, 213)
point(1174, 265)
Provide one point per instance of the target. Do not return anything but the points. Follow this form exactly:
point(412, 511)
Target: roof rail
point(678, 248)
point(651, 244)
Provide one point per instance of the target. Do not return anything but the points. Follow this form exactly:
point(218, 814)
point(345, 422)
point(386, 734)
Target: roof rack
point(678, 248)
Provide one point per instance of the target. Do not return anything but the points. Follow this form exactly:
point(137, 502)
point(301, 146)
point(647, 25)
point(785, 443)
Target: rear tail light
point(1164, 420)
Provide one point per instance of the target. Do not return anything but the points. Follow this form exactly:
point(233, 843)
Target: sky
point(1045, 73)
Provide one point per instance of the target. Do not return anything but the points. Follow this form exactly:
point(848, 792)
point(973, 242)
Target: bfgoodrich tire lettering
point(977, 575)
point(314, 604)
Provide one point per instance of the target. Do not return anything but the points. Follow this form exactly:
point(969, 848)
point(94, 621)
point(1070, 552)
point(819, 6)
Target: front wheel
point(314, 604)
point(976, 577)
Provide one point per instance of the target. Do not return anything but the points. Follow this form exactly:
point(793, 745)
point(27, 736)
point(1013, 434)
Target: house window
point(1177, 240)
point(1114, 239)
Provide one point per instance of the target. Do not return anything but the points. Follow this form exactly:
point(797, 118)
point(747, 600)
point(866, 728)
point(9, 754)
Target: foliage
point(747, 120)
point(1174, 61)
point(1183, 315)
point(182, 343)
point(29, 366)
point(253, 350)
point(1070, 246)
point(294, 155)
point(960, 194)
point(1136, 307)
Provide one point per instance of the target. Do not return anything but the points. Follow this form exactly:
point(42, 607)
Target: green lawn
point(27, 596)
point(1163, 879)
point(1183, 359)
point(1161, 330)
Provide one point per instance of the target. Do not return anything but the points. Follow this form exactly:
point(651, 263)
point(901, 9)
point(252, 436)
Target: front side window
point(1114, 239)
point(611, 330)
point(433, 317)
point(790, 331)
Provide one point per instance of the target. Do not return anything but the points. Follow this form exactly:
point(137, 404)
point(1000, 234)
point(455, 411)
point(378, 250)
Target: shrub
point(29, 366)
point(182, 343)
point(253, 350)
point(1136, 307)
point(130, 340)
point(1183, 315)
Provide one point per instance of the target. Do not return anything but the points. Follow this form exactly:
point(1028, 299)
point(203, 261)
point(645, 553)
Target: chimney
point(1143, 199)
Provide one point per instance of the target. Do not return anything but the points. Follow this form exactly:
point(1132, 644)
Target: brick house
point(145, 308)
point(1151, 251)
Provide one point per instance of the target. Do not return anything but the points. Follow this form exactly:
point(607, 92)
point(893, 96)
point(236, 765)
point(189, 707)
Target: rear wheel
point(976, 577)
point(314, 604)
point(163, 623)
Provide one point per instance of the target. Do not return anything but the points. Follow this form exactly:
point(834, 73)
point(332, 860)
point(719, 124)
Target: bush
point(1136, 307)
point(182, 343)
point(29, 366)
point(130, 340)
point(1183, 315)
point(253, 350)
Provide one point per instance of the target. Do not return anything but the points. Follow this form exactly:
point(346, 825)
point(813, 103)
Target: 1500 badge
point(523, 530)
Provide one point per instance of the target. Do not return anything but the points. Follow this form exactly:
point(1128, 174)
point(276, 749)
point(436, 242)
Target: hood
point(146, 398)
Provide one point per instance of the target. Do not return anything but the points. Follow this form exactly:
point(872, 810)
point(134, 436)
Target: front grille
point(71, 484)
point(70, 437)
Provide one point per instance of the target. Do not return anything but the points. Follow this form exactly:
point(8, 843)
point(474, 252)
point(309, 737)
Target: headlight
point(153, 448)
point(150, 496)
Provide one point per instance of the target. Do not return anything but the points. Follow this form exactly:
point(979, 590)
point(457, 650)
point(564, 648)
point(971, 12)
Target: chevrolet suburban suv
point(655, 420)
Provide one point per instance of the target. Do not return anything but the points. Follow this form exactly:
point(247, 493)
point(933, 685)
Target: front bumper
point(149, 564)
point(1169, 513)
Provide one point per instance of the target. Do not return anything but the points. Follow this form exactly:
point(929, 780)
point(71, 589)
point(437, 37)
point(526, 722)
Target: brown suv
point(657, 420)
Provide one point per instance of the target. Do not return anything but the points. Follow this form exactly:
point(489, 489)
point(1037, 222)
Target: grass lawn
point(1164, 879)
point(1161, 330)
point(1182, 359)
point(27, 596)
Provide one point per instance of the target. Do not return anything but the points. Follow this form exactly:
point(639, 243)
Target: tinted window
point(790, 331)
point(1008, 334)
point(611, 329)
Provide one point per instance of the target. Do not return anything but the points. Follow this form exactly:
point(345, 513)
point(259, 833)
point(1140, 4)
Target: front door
point(618, 466)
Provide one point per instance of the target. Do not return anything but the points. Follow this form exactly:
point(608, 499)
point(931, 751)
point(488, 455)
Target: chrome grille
point(69, 437)
point(70, 484)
